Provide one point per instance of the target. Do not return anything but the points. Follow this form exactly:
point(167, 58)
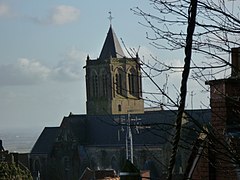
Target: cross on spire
point(110, 17)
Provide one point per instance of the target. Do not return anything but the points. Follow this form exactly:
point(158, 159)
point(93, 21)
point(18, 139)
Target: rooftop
point(111, 47)
point(45, 141)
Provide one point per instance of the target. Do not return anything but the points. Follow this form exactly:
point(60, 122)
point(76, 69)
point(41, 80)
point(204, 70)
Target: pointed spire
point(111, 47)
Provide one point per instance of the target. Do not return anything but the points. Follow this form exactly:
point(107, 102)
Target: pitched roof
point(77, 125)
point(150, 128)
point(99, 174)
point(111, 47)
point(45, 141)
point(87, 174)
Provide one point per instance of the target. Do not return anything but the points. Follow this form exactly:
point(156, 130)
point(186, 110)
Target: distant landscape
point(19, 140)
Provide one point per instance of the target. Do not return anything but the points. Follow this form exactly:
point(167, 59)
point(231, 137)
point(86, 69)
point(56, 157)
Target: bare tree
point(217, 29)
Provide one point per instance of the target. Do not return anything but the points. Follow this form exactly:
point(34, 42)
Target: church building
point(113, 81)
point(116, 126)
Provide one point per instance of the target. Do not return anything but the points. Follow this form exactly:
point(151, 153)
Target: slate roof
point(150, 128)
point(111, 47)
point(45, 141)
point(78, 126)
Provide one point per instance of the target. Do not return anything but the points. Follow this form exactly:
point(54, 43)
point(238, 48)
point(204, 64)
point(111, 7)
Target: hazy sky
point(44, 45)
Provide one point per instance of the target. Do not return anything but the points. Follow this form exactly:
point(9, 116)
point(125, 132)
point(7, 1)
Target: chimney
point(235, 62)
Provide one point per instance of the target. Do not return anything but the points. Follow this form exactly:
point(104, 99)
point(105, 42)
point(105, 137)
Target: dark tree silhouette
point(171, 26)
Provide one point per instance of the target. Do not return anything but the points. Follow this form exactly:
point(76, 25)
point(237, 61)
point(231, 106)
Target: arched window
point(95, 85)
point(132, 82)
point(140, 86)
point(119, 83)
point(104, 85)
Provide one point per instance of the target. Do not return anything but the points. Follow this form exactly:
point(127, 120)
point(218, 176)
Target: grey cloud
point(24, 72)
point(59, 15)
point(4, 10)
point(71, 67)
point(28, 72)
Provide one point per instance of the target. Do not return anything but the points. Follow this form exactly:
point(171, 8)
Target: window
point(95, 86)
point(104, 85)
point(140, 86)
point(119, 83)
point(132, 82)
point(119, 107)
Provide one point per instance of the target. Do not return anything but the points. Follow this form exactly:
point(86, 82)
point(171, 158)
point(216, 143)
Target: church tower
point(113, 81)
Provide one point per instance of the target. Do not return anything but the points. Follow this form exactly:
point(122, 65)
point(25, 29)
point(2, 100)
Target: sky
point(44, 45)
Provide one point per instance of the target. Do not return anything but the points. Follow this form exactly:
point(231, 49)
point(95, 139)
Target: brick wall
point(224, 105)
point(218, 162)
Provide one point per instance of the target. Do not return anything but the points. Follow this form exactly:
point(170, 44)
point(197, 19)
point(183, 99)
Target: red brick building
point(216, 156)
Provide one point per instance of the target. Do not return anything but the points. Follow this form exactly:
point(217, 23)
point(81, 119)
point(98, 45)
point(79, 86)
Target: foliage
point(13, 172)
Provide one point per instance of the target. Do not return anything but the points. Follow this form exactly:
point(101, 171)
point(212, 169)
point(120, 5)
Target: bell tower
point(113, 81)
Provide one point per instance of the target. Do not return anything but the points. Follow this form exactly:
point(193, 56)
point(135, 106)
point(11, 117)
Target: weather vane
point(110, 17)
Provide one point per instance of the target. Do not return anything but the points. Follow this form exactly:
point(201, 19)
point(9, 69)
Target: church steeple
point(113, 81)
point(111, 47)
